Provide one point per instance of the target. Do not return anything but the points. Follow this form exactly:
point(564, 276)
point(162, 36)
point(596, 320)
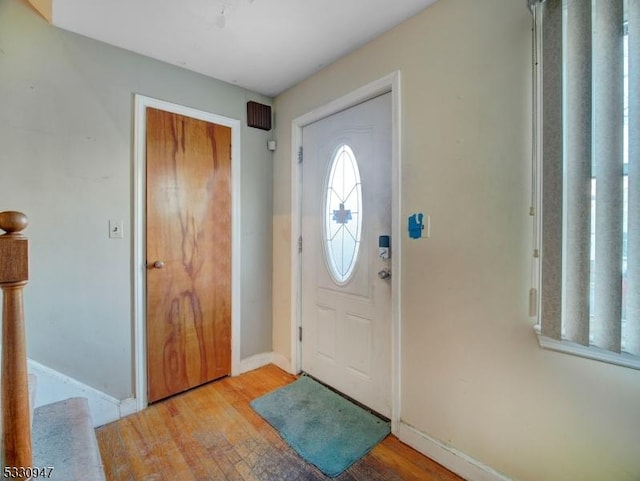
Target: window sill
point(591, 352)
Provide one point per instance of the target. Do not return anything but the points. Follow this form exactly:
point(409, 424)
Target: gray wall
point(66, 160)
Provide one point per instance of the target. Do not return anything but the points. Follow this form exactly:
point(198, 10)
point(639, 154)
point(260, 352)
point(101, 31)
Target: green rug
point(324, 428)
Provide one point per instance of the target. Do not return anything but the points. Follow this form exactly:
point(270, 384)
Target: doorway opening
point(142, 103)
point(391, 85)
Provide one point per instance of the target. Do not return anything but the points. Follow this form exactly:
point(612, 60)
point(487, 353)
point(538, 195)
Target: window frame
point(330, 258)
point(541, 225)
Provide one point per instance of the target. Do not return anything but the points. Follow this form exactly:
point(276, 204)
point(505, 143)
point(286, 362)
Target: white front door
point(346, 214)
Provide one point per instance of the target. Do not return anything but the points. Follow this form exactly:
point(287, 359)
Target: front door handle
point(384, 274)
point(156, 265)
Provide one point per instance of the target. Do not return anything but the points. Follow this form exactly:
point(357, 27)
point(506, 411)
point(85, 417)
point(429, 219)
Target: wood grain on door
point(188, 250)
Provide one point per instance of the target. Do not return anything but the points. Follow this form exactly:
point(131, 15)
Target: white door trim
point(389, 83)
point(139, 236)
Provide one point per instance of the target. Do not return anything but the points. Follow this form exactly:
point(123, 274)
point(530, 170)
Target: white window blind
point(589, 195)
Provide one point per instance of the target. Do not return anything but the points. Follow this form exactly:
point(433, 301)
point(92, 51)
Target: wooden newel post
point(14, 273)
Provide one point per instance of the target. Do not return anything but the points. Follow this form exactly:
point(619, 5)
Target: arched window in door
point(342, 214)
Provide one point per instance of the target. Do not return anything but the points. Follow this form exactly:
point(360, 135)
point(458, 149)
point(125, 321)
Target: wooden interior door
point(188, 251)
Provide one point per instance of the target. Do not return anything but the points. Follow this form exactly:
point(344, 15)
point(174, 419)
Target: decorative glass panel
point(343, 214)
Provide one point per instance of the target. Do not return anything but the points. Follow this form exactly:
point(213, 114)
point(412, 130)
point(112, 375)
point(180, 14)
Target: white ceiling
point(263, 45)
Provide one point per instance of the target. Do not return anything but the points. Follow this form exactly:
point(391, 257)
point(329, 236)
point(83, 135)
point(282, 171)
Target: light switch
point(116, 230)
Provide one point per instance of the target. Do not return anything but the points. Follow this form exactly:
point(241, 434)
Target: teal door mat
point(325, 429)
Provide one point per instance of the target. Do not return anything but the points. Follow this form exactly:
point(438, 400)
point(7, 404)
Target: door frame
point(139, 236)
point(388, 84)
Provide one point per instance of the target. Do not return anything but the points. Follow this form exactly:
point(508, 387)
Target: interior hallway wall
point(473, 374)
point(66, 157)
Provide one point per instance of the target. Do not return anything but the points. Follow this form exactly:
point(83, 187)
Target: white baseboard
point(53, 386)
point(255, 362)
point(128, 406)
point(463, 465)
point(259, 360)
point(282, 362)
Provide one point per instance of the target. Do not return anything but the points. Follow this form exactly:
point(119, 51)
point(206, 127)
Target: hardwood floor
point(211, 433)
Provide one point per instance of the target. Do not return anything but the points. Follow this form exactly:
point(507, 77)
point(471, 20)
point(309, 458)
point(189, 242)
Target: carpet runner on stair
point(64, 438)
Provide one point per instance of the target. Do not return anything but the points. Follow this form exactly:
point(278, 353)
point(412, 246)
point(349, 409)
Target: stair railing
point(16, 413)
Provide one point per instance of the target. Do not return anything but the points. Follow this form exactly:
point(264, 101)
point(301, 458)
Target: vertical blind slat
point(551, 269)
point(608, 86)
point(578, 170)
point(632, 331)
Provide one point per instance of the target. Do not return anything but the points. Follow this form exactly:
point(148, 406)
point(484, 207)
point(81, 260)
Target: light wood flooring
point(211, 433)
